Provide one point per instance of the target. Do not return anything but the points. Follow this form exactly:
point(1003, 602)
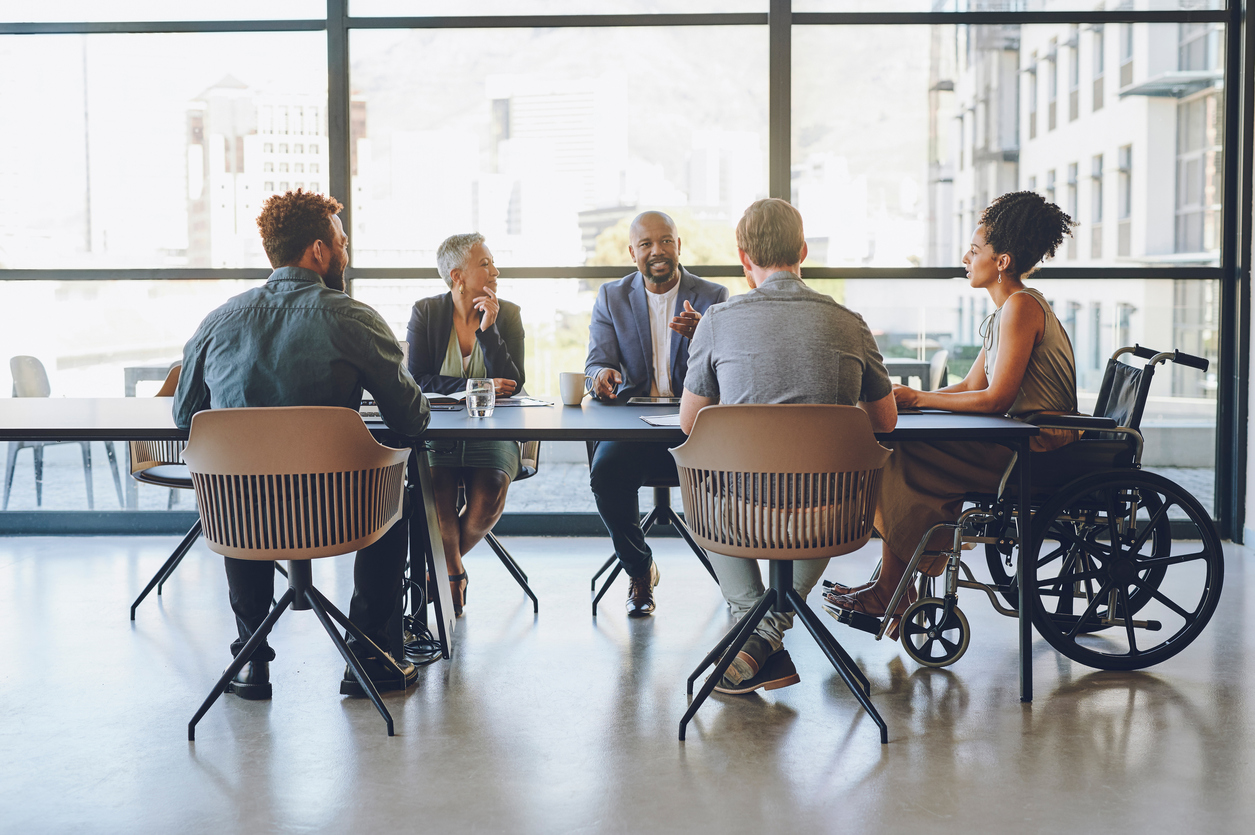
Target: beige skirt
point(924, 483)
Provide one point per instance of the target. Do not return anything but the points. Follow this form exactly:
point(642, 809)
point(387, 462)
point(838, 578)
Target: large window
point(549, 141)
point(150, 150)
point(143, 136)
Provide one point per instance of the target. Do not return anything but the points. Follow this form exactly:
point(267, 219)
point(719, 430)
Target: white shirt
point(661, 312)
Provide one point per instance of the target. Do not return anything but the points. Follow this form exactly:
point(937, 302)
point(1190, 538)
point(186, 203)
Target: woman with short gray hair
point(467, 332)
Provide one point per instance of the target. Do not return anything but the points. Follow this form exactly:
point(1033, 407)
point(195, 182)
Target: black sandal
point(463, 581)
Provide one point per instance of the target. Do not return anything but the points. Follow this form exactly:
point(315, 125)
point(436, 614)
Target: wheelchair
point(1125, 565)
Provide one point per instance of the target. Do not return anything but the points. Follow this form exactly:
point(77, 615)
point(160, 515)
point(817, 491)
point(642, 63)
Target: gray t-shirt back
point(785, 343)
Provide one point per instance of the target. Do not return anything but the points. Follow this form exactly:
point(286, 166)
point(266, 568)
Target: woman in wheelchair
point(467, 332)
point(1025, 367)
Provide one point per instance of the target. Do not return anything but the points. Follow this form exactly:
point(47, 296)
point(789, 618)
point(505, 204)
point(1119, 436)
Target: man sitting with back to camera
point(299, 340)
point(638, 345)
point(781, 342)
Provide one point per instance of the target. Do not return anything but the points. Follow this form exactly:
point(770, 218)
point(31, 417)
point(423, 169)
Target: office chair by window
point(30, 379)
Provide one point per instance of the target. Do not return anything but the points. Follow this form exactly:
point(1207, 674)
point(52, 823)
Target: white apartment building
point(242, 146)
point(1120, 126)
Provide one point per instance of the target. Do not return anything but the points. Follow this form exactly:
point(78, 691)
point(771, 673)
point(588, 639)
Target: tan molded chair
point(160, 463)
point(781, 483)
point(294, 483)
point(30, 379)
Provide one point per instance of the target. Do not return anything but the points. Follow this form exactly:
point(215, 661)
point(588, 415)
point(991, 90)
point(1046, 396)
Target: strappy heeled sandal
point(839, 590)
point(458, 584)
point(869, 602)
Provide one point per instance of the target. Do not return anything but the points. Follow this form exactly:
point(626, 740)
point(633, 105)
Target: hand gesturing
point(685, 323)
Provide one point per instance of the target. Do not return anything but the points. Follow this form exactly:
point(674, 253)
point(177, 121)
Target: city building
point(1091, 117)
point(242, 146)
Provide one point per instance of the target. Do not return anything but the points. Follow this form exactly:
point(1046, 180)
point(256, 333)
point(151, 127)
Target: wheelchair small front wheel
point(1126, 570)
point(932, 638)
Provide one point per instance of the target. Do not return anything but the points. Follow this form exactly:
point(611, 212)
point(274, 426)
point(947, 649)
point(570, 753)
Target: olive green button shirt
point(296, 342)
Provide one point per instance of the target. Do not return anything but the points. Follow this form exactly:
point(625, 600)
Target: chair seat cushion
point(166, 475)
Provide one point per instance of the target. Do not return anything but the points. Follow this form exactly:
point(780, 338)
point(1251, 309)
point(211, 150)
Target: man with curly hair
point(299, 340)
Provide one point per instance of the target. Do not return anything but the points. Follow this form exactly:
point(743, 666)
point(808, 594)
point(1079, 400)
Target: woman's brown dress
point(924, 482)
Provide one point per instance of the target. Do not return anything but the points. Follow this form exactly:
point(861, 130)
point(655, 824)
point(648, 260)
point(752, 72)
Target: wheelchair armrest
point(1071, 422)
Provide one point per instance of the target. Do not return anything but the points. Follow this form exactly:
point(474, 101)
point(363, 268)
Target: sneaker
point(382, 673)
point(749, 660)
point(776, 673)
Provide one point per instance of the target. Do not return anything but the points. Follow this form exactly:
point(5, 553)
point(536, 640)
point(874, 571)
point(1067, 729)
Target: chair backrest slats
point(269, 485)
point(780, 481)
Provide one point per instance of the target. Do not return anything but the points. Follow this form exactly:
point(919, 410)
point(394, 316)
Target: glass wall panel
point(408, 8)
point(99, 339)
point(963, 114)
point(550, 140)
point(96, 11)
point(154, 150)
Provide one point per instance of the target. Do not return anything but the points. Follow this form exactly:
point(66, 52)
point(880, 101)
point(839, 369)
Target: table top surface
point(149, 418)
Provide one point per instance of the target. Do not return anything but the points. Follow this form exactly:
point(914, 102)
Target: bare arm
point(883, 413)
point(691, 404)
point(1019, 331)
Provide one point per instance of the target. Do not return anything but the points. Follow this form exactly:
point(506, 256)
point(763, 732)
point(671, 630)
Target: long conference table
point(149, 418)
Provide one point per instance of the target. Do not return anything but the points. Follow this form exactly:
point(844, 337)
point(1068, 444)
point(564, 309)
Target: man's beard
point(656, 279)
point(334, 277)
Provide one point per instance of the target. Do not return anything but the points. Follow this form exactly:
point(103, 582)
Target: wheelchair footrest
point(858, 620)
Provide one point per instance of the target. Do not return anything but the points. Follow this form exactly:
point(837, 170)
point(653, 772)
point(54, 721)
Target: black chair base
point(301, 594)
point(660, 514)
point(516, 571)
point(167, 568)
point(781, 597)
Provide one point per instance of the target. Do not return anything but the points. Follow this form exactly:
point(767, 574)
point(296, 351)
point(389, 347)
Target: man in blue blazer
point(638, 345)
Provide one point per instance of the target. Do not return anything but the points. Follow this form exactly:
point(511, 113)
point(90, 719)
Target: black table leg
point(1024, 576)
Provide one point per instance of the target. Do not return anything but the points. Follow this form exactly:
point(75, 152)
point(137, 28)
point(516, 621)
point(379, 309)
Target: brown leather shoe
point(640, 598)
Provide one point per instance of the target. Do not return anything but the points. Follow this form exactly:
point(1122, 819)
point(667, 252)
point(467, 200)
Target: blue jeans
point(619, 470)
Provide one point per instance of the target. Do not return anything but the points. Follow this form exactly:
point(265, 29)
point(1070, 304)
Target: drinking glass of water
point(481, 397)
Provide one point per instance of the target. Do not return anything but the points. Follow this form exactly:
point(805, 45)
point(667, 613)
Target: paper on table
point(662, 420)
point(522, 401)
point(445, 399)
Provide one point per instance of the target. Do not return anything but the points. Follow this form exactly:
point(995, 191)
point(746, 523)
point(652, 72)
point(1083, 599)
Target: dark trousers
point(377, 577)
point(619, 469)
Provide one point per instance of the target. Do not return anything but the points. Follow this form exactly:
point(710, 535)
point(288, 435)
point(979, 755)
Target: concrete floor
point(561, 723)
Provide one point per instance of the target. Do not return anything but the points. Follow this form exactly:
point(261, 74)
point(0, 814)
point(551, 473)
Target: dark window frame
point(1233, 273)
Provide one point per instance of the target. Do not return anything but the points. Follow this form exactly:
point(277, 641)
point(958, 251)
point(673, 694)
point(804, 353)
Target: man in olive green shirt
point(299, 340)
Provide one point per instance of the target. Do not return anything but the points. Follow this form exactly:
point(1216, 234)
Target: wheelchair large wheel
point(1159, 543)
point(1111, 589)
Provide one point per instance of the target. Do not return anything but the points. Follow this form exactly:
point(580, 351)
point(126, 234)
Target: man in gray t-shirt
point(782, 342)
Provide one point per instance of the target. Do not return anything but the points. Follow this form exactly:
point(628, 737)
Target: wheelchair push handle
point(1178, 357)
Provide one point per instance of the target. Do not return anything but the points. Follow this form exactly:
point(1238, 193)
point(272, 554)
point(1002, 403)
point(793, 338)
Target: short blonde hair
point(770, 233)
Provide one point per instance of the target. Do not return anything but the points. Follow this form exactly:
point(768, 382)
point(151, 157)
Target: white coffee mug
point(573, 387)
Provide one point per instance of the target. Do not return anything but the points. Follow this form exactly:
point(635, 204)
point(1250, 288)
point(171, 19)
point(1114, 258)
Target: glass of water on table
point(481, 397)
